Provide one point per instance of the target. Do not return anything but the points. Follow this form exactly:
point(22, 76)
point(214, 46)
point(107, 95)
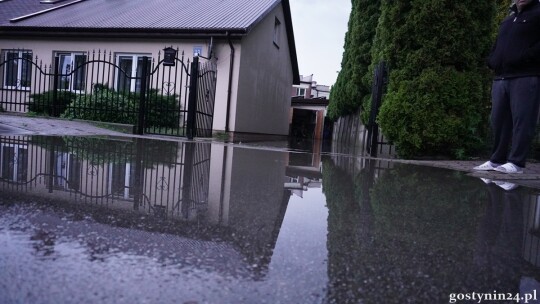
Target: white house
point(251, 41)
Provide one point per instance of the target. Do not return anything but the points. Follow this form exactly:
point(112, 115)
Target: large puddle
point(97, 220)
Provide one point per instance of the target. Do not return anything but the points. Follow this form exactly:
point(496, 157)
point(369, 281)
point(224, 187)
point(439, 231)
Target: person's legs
point(524, 94)
point(501, 121)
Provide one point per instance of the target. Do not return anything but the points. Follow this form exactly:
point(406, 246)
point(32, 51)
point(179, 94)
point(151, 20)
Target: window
point(121, 179)
point(72, 71)
point(129, 77)
point(67, 170)
point(277, 31)
point(300, 91)
point(14, 165)
point(17, 69)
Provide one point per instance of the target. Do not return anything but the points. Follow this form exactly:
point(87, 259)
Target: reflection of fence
point(531, 242)
point(167, 178)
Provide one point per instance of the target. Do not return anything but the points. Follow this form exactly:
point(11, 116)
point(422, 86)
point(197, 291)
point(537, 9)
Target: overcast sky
point(319, 33)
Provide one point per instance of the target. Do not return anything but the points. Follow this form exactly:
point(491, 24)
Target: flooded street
point(132, 220)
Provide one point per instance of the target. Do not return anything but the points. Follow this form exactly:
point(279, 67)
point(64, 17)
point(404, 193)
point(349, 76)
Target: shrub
point(103, 104)
point(43, 103)
point(107, 105)
point(162, 110)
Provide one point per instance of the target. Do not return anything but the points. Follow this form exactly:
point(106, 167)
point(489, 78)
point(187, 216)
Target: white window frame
point(65, 69)
point(21, 63)
point(133, 86)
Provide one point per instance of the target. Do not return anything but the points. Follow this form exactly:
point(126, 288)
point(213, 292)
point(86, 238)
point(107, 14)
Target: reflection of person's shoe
point(486, 166)
point(506, 185)
point(509, 168)
point(486, 180)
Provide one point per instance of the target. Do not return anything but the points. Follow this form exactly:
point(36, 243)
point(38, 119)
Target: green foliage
point(105, 104)
point(351, 85)
point(102, 150)
point(43, 103)
point(438, 91)
point(503, 10)
point(439, 112)
point(161, 110)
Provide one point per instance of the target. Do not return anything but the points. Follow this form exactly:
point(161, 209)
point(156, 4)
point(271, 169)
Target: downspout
point(229, 93)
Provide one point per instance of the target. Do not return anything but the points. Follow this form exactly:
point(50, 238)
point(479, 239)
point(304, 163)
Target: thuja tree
point(437, 98)
point(351, 87)
point(503, 9)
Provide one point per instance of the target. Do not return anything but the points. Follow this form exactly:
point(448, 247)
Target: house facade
point(250, 42)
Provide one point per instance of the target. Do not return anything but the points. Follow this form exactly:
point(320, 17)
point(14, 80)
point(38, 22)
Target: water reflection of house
point(304, 170)
point(237, 193)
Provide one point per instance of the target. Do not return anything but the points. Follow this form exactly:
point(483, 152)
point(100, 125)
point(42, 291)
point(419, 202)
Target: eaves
point(117, 33)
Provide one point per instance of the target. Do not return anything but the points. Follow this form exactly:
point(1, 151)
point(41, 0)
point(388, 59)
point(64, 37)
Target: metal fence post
point(138, 192)
point(192, 101)
point(142, 99)
point(54, 103)
point(187, 200)
point(376, 97)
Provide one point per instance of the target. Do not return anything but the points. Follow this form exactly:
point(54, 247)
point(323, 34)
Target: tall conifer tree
point(350, 87)
point(437, 100)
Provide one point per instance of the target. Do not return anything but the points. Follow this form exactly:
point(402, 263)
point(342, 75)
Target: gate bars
point(161, 99)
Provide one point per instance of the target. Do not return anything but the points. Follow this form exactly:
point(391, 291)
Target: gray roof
point(238, 15)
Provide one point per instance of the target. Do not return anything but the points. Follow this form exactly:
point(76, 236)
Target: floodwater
point(126, 220)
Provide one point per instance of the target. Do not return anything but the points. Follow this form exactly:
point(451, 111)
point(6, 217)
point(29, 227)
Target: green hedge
point(105, 104)
point(43, 103)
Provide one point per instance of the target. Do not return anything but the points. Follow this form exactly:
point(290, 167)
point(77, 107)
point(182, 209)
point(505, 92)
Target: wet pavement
point(109, 219)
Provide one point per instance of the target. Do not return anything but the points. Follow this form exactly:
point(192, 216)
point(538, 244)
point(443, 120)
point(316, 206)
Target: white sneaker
point(509, 168)
point(486, 166)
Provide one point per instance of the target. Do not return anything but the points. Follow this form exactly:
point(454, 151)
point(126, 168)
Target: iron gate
point(168, 97)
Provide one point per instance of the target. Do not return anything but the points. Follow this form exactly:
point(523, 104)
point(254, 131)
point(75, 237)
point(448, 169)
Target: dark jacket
point(516, 52)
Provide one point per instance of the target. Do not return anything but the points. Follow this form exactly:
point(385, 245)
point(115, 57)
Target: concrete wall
point(265, 80)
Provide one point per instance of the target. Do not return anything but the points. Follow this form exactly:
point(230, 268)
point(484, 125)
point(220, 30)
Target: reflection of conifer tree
point(343, 218)
point(499, 242)
point(408, 236)
point(424, 225)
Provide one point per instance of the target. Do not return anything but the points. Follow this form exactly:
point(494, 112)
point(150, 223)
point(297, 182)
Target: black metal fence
point(151, 93)
point(161, 177)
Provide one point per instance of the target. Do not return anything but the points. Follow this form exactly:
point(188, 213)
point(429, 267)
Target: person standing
point(515, 92)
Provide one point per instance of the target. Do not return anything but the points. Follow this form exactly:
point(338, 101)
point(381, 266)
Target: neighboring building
point(308, 88)
point(251, 41)
point(308, 109)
